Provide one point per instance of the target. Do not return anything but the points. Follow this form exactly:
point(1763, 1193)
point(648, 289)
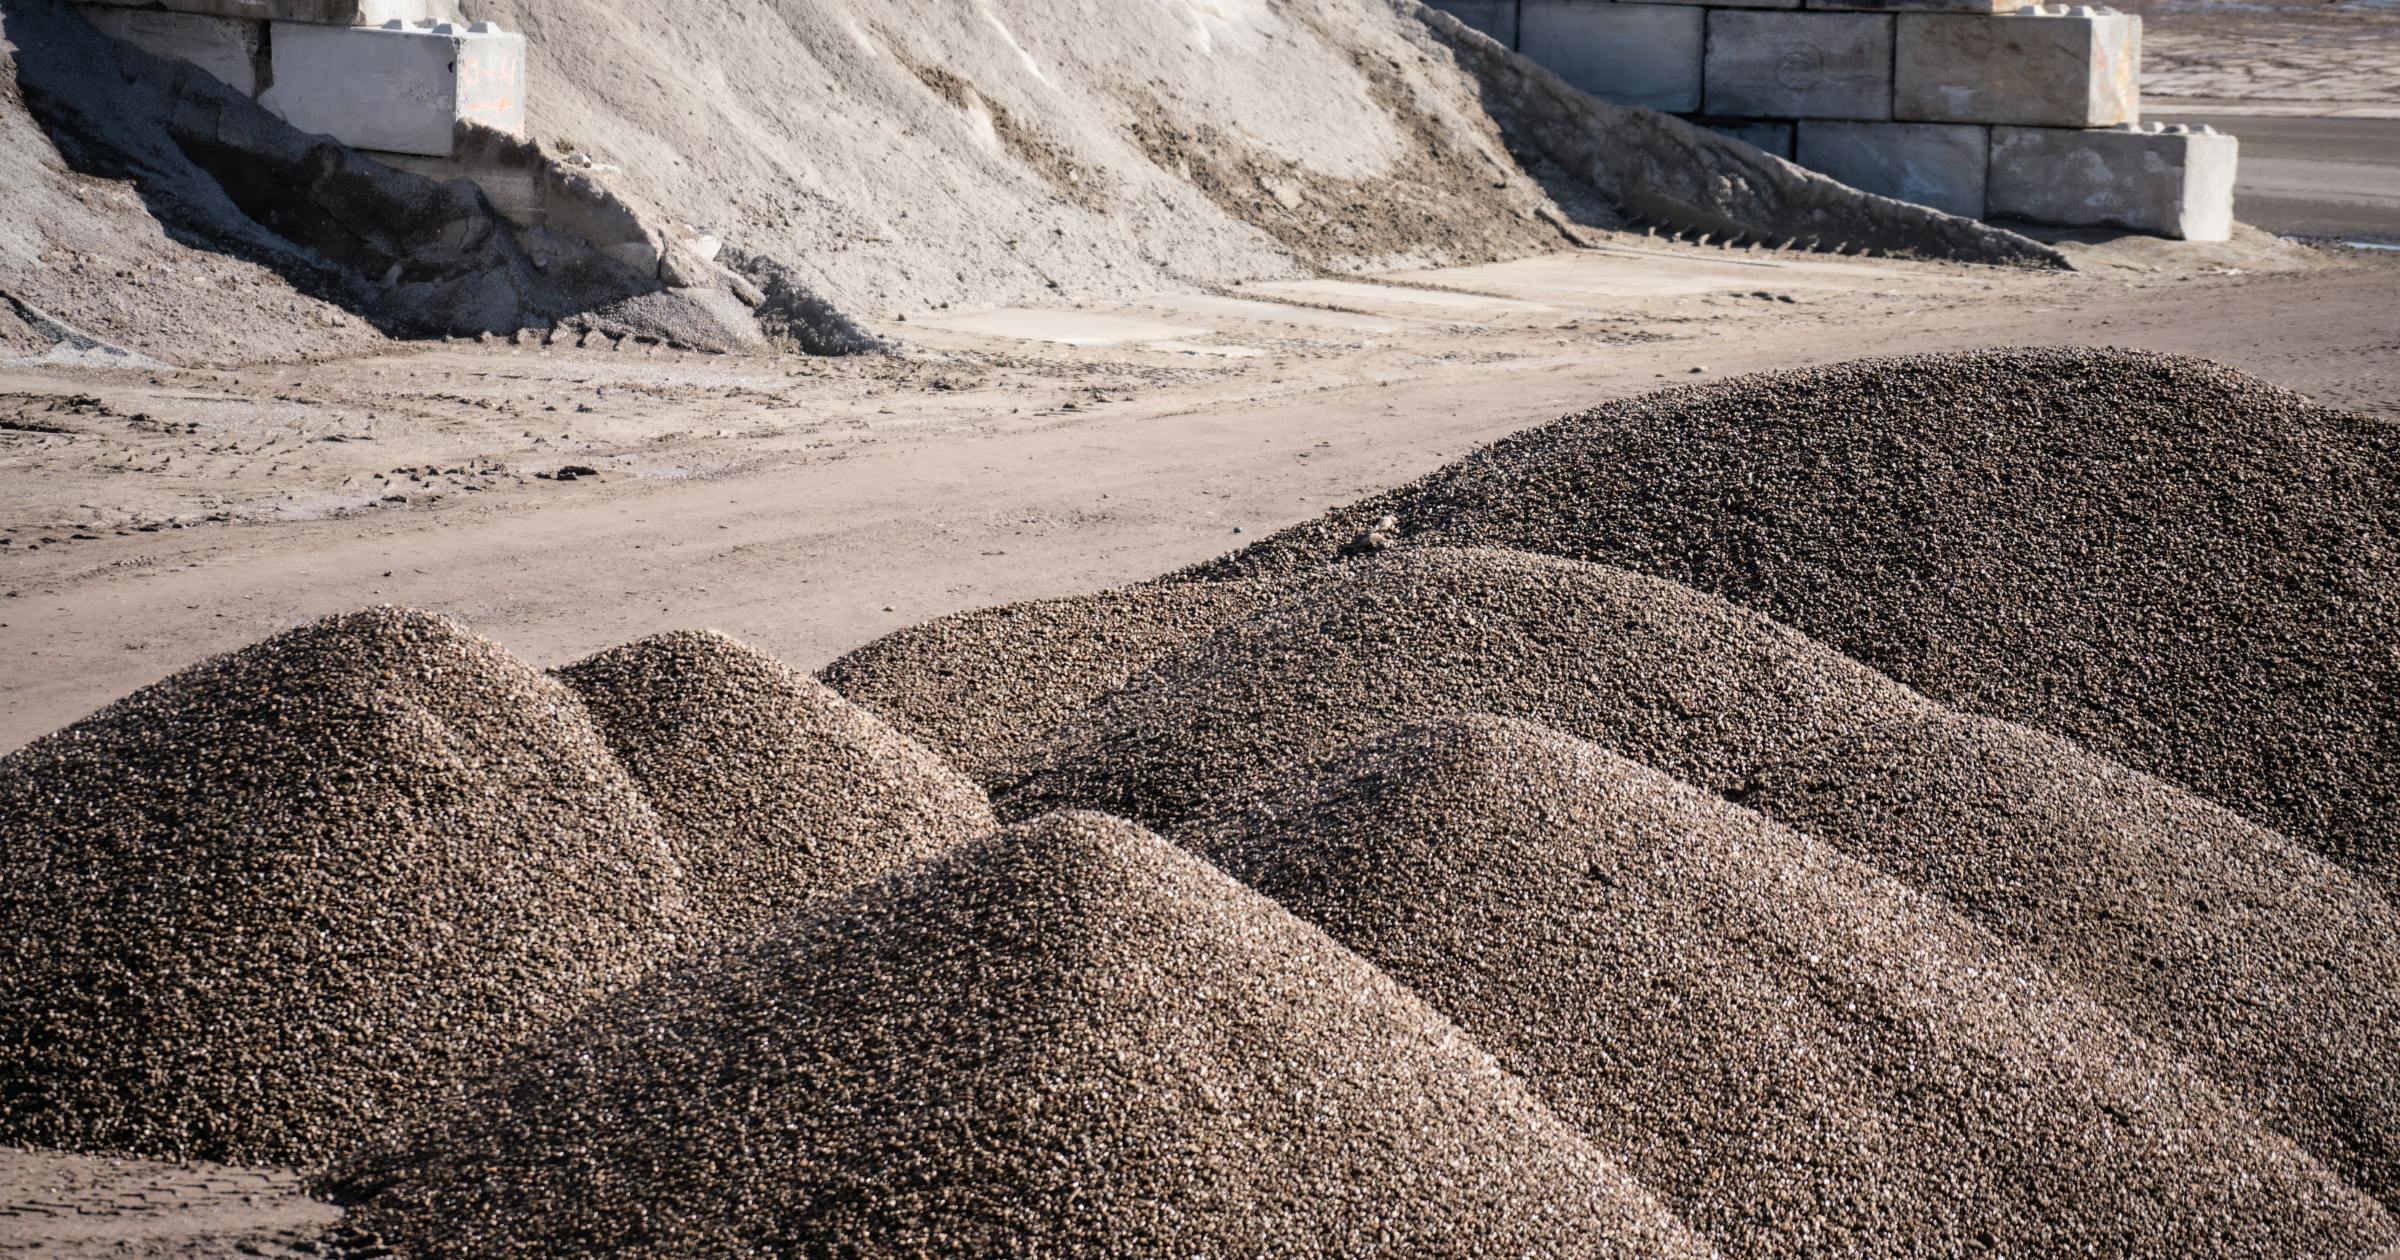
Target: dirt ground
point(154, 518)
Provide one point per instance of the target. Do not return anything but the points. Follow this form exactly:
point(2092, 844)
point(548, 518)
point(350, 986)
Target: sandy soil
point(68, 1207)
point(155, 518)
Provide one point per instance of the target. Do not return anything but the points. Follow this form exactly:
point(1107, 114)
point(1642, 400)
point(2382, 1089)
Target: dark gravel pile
point(279, 900)
point(2277, 971)
point(2173, 564)
point(1071, 1039)
point(980, 687)
point(1802, 1056)
point(773, 789)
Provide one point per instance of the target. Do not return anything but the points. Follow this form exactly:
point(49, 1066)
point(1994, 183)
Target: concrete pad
point(1496, 18)
point(1632, 54)
point(398, 88)
point(2041, 67)
point(1764, 134)
point(228, 48)
point(1071, 328)
point(1799, 65)
point(2171, 181)
point(1941, 165)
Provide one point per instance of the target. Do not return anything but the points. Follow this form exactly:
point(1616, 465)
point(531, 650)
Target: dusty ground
point(152, 519)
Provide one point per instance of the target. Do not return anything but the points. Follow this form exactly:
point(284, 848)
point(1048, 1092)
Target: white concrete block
point(1759, 133)
point(225, 47)
point(2171, 181)
point(322, 12)
point(1983, 8)
point(1799, 65)
point(398, 88)
point(1496, 18)
point(1632, 54)
point(1736, 4)
point(2050, 66)
point(1941, 165)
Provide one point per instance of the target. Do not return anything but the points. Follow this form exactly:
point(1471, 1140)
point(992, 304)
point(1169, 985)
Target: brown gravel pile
point(980, 687)
point(280, 900)
point(2176, 565)
point(772, 789)
point(2275, 970)
point(1071, 1039)
point(1802, 1056)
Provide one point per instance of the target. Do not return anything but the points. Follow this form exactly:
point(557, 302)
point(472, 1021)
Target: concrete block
point(1759, 133)
point(1736, 4)
point(2170, 181)
point(1941, 165)
point(1496, 18)
point(1633, 54)
point(228, 48)
point(2050, 66)
point(1981, 8)
point(1799, 65)
point(398, 88)
point(317, 12)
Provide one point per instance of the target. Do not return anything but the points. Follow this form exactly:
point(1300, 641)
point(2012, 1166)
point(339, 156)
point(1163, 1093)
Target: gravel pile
point(1801, 1056)
point(2274, 969)
point(2176, 565)
point(282, 899)
point(772, 789)
point(1071, 1039)
point(981, 687)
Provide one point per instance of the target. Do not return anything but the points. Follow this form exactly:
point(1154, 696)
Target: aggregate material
point(2274, 969)
point(282, 899)
point(1071, 1039)
point(772, 789)
point(2178, 566)
point(1802, 1056)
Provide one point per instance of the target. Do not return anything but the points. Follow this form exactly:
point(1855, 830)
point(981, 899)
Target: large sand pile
point(1802, 1056)
point(1070, 1040)
point(772, 789)
point(2274, 968)
point(2176, 565)
point(271, 904)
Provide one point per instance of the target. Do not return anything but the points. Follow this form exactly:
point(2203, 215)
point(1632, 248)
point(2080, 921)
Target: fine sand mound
point(1800, 1055)
point(772, 789)
point(279, 900)
point(1068, 1040)
point(981, 687)
point(2274, 969)
point(2171, 563)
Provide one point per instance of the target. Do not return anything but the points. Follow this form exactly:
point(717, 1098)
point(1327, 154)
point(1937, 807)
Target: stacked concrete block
point(1941, 165)
point(1783, 64)
point(1496, 18)
point(2050, 66)
point(234, 51)
point(316, 12)
point(398, 87)
point(1632, 54)
point(1759, 133)
point(2170, 181)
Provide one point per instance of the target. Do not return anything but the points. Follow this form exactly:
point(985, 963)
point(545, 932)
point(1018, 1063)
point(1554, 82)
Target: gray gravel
point(773, 790)
point(2176, 565)
point(1069, 1040)
point(981, 687)
point(278, 901)
point(2274, 969)
point(1802, 1056)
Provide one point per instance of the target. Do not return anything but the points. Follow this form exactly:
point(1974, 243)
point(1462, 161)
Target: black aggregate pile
point(980, 687)
point(2174, 564)
point(772, 789)
point(1070, 1039)
point(1802, 1056)
point(2277, 971)
point(282, 899)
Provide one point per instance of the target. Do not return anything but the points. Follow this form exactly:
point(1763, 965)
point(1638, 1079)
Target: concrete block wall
point(1983, 108)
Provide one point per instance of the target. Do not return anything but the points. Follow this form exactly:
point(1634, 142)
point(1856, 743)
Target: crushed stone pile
point(1802, 1056)
point(2176, 565)
point(772, 789)
point(1071, 1039)
point(2276, 970)
point(280, 900)
point(982, 687)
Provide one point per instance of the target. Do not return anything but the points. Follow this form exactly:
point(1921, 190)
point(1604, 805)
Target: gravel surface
point(1802, 1056)
point(281, 899)
point(2273, 968)
point(2175, 565)
point(1071, 1039)
point(981, 687)
point(772, 789)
